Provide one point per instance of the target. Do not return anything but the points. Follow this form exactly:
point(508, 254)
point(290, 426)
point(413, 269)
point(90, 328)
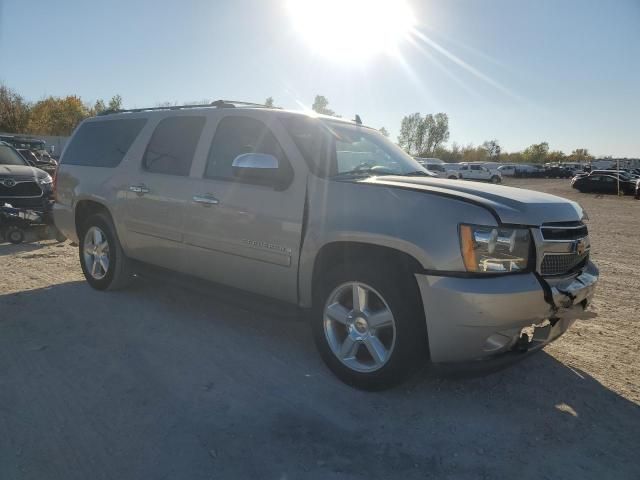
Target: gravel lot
point(169, 381)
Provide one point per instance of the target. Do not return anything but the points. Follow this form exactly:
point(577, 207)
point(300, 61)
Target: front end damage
point(500, 317)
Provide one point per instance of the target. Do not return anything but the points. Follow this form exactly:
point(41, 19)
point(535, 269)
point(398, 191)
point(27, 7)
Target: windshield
point(358, 149)
point(8, 156)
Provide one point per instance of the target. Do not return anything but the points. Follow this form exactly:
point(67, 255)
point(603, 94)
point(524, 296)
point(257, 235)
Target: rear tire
point(391, 291)
point(495, 179)
point(104, 264)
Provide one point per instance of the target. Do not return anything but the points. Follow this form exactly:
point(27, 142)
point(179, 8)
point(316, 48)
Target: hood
point(21, 171)
point(509, 204)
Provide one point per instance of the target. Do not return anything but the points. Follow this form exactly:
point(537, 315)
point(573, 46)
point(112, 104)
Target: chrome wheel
point(359, 327)
point(96, 253)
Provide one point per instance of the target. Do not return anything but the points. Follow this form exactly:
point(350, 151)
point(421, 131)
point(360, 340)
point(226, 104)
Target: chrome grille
point(21, 189)
point(560, 264)
point(563, 248)
point(572, 231)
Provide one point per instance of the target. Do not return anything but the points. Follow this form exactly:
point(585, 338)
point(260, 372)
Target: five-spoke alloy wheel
point(359, 327)
point(104, 264)
point(96, 253)
point(368, 323)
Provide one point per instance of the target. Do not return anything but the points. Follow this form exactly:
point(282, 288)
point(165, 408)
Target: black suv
point(22, 185)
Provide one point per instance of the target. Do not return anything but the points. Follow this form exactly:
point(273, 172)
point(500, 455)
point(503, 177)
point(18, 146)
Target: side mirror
point(256, 166)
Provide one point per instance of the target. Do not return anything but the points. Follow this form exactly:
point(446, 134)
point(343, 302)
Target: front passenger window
point(238, 135)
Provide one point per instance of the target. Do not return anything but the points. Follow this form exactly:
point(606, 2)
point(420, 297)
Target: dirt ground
point(171, 381)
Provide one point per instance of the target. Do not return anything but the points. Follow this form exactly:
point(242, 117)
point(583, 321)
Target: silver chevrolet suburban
point(394, 265)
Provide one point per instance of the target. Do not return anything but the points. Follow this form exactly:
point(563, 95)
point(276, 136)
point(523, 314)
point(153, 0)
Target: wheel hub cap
point(359, 327)
point(96, 253)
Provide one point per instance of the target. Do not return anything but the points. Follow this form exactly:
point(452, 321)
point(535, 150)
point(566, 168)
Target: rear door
point(159, 187)
point(248, 234)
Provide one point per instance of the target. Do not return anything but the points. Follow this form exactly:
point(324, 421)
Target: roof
point(231, 104)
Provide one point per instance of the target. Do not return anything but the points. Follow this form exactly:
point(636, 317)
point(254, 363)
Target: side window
point(102, 143)
point(476, 167)
point(237, 135)
point(172, 145)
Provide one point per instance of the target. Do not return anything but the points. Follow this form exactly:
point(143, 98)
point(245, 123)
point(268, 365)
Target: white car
point(474, 171)
point(441, 171)
point(507, 170)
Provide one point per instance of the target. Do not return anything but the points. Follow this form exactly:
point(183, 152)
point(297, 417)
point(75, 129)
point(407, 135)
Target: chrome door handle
point(206, 199)
point(139, 189)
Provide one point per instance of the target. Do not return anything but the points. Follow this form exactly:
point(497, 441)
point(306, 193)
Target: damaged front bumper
point(472, 319)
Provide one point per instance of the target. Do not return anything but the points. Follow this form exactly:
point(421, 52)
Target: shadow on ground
point(161, 382)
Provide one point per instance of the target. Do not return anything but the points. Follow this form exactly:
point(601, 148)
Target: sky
point(562, 71)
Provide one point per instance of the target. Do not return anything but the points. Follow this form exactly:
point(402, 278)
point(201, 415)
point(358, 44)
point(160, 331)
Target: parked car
point(605, 183)
point(22, 185)
point(440, 171)
point(392, 265)
point(558, 172)
point(507, 170)
point(474, 171)
point(529, 171)
point(42, 162)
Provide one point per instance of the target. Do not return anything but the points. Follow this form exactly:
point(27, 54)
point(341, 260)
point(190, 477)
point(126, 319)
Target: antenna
point(358, 120)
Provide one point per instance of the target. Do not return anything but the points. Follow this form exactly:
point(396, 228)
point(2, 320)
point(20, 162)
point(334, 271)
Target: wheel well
point(350, 252)
point(86, 208)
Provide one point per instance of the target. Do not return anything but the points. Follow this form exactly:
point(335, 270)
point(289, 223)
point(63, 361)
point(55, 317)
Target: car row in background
point(463, 171)
point(607, 181)
point(535, 171)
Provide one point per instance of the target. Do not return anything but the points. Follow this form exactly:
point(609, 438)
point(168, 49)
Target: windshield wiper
point(362, 172)
point(418, 173)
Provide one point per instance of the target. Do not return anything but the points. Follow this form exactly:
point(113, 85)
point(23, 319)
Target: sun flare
point(351, 30)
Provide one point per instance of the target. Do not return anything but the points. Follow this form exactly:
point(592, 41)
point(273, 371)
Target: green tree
point(556, 156)
point(98, 107)
point(384, 131)
point(493, 149)
point(433, 133)
point(581, 155)
point(115, 103)
point(269, 102)
point(321, 105)
point(408, 138)
point(423, 136)
point(57, 116)
point(536, 153)
point(14, 111)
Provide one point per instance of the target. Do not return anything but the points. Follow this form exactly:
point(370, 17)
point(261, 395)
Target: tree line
point(420, 136)
point(49, 116)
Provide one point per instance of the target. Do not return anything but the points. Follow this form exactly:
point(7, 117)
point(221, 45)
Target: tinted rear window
point(173, 144)
point(102, 144)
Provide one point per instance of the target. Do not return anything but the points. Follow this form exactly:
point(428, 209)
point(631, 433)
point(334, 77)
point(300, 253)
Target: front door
point(242, 233)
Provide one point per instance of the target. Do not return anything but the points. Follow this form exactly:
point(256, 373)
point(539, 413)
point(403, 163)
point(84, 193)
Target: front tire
point(495, 179)
point(104, 264)
point(369, 325)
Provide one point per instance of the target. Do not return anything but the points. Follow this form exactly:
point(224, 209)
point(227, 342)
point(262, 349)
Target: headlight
point(45, 180)
point(494, 249)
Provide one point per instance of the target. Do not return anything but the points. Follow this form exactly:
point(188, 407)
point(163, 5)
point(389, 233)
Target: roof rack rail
point(215, 104)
